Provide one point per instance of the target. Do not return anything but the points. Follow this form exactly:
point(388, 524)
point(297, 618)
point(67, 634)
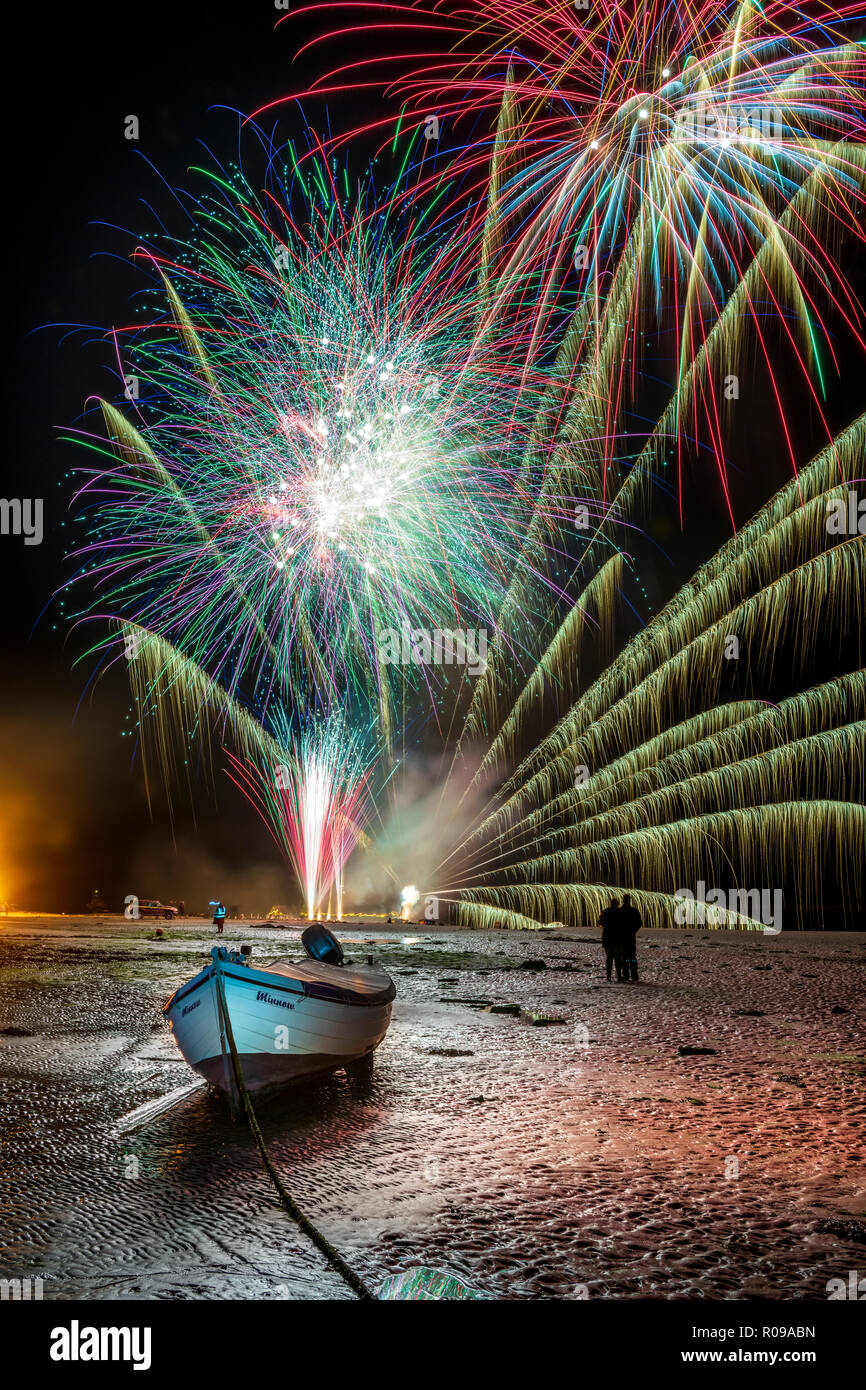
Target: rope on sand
point(290, 1206)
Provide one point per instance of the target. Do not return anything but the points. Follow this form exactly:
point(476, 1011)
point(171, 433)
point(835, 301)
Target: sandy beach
point(587, 1157)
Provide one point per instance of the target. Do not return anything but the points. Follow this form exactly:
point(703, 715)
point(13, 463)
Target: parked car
point(151, 907)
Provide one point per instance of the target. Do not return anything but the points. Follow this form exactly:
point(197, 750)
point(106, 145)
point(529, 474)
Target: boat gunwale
point(321, 990)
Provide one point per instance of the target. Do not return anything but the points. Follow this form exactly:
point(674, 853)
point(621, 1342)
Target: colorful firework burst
point(691, 168)
point(316, 456)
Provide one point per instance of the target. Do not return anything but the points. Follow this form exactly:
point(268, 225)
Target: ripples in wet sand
point(587, 1159)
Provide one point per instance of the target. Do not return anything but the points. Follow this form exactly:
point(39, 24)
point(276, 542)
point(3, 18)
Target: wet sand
point(586, 1158)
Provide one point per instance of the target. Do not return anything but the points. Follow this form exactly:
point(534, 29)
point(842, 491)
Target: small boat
point(288, 1019)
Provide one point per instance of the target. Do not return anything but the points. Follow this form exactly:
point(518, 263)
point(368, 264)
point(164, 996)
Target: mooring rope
point(290, 1206)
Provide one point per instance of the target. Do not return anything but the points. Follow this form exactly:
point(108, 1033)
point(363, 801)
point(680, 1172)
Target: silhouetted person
point(611, 939)
point(629, 926)
point(181, 908)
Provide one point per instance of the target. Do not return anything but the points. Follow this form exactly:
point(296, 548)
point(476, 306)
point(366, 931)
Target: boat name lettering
point(269, 999)
point(189, 1008)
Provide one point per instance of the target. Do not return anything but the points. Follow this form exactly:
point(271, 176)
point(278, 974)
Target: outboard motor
point(322, 945)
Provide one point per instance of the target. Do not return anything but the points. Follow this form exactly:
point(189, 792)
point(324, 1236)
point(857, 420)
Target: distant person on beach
point(219, 917)
point(629, 925)
point(181, 908)
point(611, 939)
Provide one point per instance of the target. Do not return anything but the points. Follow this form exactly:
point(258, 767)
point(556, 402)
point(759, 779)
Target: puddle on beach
point(586, 1159)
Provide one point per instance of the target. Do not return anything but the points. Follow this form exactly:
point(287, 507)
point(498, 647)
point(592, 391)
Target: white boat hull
point(283, 1028)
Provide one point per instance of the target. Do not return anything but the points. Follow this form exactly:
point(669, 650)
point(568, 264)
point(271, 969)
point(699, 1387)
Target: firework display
point(371, 424)
point(652, 171)
point(316, 802)
point(667, 770)
point(317, 462)
point(688, 177)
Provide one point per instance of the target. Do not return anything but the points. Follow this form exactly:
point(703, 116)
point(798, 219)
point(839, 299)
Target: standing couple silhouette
point(620, 923)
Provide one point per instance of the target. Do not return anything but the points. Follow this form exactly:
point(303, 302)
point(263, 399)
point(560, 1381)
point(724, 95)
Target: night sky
point(73, 812)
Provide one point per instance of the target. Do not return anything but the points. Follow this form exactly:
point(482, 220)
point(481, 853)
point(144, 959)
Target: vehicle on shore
point(152, 907)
